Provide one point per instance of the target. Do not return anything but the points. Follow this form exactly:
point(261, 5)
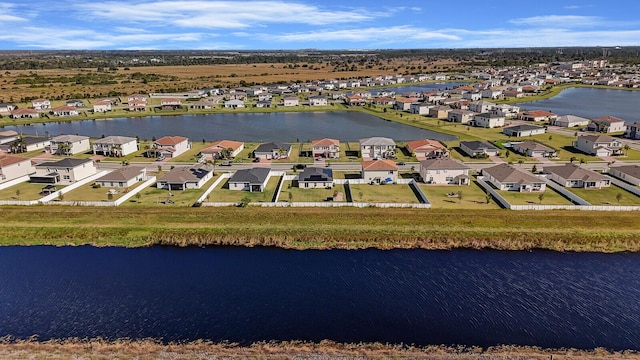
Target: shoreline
point(152, 349)
point(322, 228)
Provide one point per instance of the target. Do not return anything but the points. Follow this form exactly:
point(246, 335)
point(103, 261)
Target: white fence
point(341, 204)
point(204, 195)
point(14, 182)
point(133, 192)
point(566, 193)
point(630, 188)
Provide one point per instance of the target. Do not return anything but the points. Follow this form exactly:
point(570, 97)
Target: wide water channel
point(296, 126)
point(548, 299)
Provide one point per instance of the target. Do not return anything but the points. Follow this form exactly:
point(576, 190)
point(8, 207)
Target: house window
point(66, 177)
point(449, 178)
point(391, 172)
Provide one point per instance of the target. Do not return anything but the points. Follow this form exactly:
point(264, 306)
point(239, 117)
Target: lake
point(467, 297)
point(263, 127)
point(592, 103)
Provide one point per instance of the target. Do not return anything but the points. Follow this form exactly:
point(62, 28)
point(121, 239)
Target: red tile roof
point(382, 164)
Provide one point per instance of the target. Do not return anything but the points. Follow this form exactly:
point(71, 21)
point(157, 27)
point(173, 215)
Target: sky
point(304, 24)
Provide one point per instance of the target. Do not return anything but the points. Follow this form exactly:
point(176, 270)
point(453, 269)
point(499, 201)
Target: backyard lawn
point(550, 197)
point(607, 196)
point(89, 193)
point(153, 196)
point(389, 193)
point(222, 193)
point(308, 195)
point(473, 197)
point(25, 191)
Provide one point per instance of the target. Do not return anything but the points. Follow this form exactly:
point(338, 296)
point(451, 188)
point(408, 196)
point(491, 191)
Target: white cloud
point(388, 35)
point(560, 21)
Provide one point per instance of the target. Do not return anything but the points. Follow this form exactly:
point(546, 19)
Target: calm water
point(344, 126)
point(592, 103)
point(245, 295)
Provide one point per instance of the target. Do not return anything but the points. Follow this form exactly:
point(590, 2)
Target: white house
point(318, 100)
point(13, 167)
point(254, 179)
point(291, 101)
point(444, 171)
point(234, 104)
point(185, 177)
point(65, 111)
point(574, 176)
point(217, 149)
point(69, 144)
point(570, 121)
point(63, 172)
point(460, 116)
point(507, 177)
point(41, 104)
point(534, 149)
point(124, 177)
point(115, 146)
point(419, 108)
point(101, 106)
point(377, 147)
point(628, 173)
point(523, 130)
point(6, 108)
point(25, 113)
point(478, 148)
point(598, 145)
point(326, 148)
point(481, 106)
point(170, 146)
point(380, 171)
point(315, 178)
point(607, 124)
point(488, 120)
point(273, 150)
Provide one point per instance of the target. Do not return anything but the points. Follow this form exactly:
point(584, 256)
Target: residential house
point(169, 147)
point(488, 120)
point(607, 124)
point(202, 105)
point(171, 104)
point(377, 147)
point(538, 115)
point(263, 104)
point(222, 149)
point(185, 177)
point(65, 111)
point(318, 100)
point(325, 148)
point(598, 145)
point(272, 151)
point(7, 108)
point(478, 148)
point(633, 131)
point(41, 104)
point(404, 104)
point(137, 97)
point(291, 101)
point(25, 113)
point(115, 146)
point(74, 103)
point(491, 93)
point(460, 116)
point(137, 105)
point(69, 144)
point(439, 111)
point(534, 149)
point(31, 143)
point(102, 106)
point(63, 172)
point(628, 173)
point(523, 130)
point(14, 167)
point(507, 177)
point(265, 97)
point(444, 171)
point(123, 177)
point(570, 121)
point(573, 176)
point(380, 171)
point(427, 149)
point(383, 100)
point(254, 179)
point(315, 177)
point(355, 100)
point(420, 108)
point(472, 96)
point(234, 104)
point(508, 111)
point(481, 106)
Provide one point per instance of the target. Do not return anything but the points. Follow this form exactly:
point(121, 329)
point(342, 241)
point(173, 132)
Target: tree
point(360, 195)
point(109, 196)
point(459, 193)
point(290, 196)
point(534, 169)
point(626, 148)
point(573, 158)
point(618, 197)
point(487, 198)
point(520, 162)
point(18, 194)
point(582, 161)
point(244, 202)
point(507, 153)
point(540, 197)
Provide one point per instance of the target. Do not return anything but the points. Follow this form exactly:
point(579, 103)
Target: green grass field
point(25, 191)
point(473, 197)
point(307, 195)
point(389, 193)
point(153, 196)
point(550, 197)
point(607, 196)
point(222, 193)
point(89, 193)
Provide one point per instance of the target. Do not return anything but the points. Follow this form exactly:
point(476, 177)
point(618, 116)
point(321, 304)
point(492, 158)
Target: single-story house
point(253, 180)
point(7, 108)
point(574, 176)
point(263, 104)
point(523, 130)
point(115, 146)
point(169, 147)
point(570, 121)
point(222, 149)
point(291, 101)
point(25, 113)
point(123, 178)
point(534, 149)
point(318, 100)
point(598, 145)
point(355, 100)
point(74, 103)
point(444, 171)
point(538, 115)
point(273, 150)
point(202, 105)
point(427, 148)
point(326, 148)
point(607, 124)
point(185, 177)
point(69, 144)
point(32, 143)
point(315, 177)
point(628, 173)
point(63, 172)
point(13, 167)
point(383, 100)
point(478, 148)
point(41, 104)
point(377, 147)
point(488, 120)
point(380, 171)
point(171, 104)
point(233, 104)
point(507, 177)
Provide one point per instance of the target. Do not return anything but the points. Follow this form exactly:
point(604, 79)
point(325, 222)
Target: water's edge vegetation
point(322, 228)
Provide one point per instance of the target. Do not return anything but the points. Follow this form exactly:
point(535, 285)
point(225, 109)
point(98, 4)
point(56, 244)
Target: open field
point(473, 197)
point(607, 196)
point(322, 228)
point(389, 193)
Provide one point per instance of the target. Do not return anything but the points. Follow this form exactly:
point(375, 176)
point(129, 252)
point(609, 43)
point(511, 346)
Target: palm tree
point(626, 148)
point(64, 148)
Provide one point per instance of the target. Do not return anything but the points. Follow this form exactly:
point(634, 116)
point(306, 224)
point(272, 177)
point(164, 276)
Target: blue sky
point(329, 24)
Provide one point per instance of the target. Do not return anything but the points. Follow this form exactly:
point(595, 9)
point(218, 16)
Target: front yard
point(389, 193)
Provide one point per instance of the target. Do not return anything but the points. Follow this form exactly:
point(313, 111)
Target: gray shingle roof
point(256, 175)
point(269, 147)
point(316, 174)
point(122, 174)
point(186, 174)
point(631, 170)
point(506, 173)
point(443, 164)
point(574, 172)
point(478, 145)
point(65, 163)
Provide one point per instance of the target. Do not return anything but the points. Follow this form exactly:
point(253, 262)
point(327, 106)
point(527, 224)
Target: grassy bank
point(319, 228)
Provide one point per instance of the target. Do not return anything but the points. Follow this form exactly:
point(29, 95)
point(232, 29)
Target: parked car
point(226, 163)
point(256, 160)
point(160, 158)
point(400, 163)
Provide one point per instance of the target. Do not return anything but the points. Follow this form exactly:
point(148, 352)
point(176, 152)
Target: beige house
point(25, 113)
point(13, 167)
point(291, 101)
point(507, 177)
point(598, 145)
point(169, 146)
point(439, 111)
point(217, 149)
point(185, 177)
point(65, 111)
point(427, 149)
point(124, 177)
point(115, 146)
point(41, 104)
point(628, 173)
point(574, 176)
point(69, 144)
point(102, 106)
point(488, 120)
point(325, 148)
point(460, 116)
point(444, 171)
point(377, 148)
point(607, 124)
point(379, 171)
point(63, 172)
